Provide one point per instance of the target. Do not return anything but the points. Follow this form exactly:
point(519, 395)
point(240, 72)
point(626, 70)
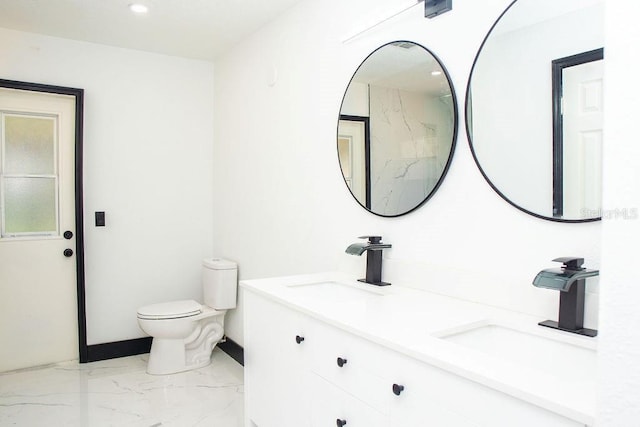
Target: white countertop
point(411, 321)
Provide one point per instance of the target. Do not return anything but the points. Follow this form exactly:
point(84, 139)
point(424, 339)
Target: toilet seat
point(170, 310)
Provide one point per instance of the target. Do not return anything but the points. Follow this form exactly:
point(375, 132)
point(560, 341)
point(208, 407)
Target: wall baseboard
point(112, 350)
point(233, 349)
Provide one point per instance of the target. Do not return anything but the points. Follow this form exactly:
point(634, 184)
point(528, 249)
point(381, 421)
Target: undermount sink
point(333, 291)
point(561, 358)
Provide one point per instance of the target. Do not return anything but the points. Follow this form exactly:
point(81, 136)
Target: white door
point(582, 139)
point(38, 308)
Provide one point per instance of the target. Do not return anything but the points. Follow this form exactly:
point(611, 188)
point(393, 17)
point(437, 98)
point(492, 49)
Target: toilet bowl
point(185, 332)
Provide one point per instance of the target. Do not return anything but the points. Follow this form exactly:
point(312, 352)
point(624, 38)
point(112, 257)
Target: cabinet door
point(276, 374)
point(434, 397)
point(331, 407)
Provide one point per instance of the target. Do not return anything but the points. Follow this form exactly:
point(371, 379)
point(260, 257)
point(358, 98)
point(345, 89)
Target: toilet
point(185, 332)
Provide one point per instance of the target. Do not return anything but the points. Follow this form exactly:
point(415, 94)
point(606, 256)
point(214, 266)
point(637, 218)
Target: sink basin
point(560, 358)
point(334, 291)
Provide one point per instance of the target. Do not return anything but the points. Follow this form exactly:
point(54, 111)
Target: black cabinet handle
point(299, 339)
point(397, 389)
point(341, 362)
point(341, 423)
point(67, 252)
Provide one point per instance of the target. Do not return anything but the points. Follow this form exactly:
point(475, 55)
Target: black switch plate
point(100, 219)
point(433, 8)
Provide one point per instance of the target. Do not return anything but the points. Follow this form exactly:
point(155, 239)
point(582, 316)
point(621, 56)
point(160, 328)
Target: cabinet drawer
point(351, 363)
point(331, 404)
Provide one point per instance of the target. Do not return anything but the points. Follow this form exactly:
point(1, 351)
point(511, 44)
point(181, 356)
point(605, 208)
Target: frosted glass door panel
point(29, 145)
point(29, 193)
point(30, 206)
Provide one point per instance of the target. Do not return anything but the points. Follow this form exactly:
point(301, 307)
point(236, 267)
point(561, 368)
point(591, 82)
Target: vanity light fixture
point(138, 8)
point(433, 8)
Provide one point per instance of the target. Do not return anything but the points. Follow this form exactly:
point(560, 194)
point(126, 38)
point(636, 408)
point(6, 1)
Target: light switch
point(100, 222)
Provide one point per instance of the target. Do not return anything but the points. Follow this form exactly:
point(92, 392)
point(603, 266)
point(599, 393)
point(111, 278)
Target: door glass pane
point(29, 145)
point(30, 205)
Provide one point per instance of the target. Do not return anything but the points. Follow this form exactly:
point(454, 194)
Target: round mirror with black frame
point(534, 108)
point(397, 129)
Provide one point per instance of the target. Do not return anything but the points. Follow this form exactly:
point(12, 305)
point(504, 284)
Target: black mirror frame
point(469, 120)
point(454, 136)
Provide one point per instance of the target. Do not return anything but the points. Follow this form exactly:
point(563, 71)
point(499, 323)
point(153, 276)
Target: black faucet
point(569, 280)
point(373, 247)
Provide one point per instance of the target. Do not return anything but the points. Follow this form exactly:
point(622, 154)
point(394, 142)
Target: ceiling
point(198, 29)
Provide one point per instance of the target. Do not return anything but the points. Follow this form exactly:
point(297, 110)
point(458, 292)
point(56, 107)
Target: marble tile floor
point(118, 392)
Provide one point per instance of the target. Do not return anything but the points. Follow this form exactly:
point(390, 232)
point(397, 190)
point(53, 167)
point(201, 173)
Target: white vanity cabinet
point(335, 377)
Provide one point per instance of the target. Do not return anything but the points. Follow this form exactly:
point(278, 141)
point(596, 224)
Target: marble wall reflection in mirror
point(510, 108)
point(397, 129)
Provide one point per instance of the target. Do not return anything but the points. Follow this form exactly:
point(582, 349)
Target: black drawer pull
point(341, 423)
point(341, 362)
point(397, 389)
point(299, 339)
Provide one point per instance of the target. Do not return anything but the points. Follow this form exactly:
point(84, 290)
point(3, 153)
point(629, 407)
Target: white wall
point(619, 346)
point(356, 100)
point(283, 207)
point(147, 163)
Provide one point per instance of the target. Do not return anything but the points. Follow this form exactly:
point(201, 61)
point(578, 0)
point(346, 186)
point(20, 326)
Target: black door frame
point(367, 155)
point(78, 94)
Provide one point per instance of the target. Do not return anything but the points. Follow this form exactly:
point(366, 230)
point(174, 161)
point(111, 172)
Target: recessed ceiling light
point(138, 8)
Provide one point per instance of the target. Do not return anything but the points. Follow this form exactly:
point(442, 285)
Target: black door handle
point(341, 423)
point(299, 339)
point(67, 252)
point(68, 234)
point(341, 362)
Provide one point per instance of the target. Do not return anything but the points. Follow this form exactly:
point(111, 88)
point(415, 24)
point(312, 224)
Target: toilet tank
point(219, 283)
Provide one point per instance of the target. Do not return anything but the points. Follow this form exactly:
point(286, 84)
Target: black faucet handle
point(572, 263)
point(372, 239)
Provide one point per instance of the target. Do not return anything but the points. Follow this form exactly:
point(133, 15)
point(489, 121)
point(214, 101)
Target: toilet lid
point(170, 310)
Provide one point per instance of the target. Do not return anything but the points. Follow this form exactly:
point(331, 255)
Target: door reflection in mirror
point(353, 153)
point(577, 134)
point(397, 128)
